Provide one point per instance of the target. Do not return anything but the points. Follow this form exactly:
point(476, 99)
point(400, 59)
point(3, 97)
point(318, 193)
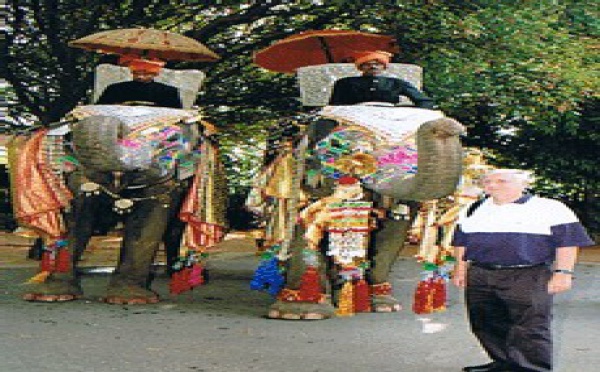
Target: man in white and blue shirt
point(514, 252)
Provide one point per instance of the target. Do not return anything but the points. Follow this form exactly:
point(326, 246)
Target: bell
point(90, 188)
point(122, 206)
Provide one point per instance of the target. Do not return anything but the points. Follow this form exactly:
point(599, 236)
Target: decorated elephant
point(339, 190)
point(155, 169)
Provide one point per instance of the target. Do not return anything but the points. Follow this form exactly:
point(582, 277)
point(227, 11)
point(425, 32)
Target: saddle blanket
point(136, 116)
point(388, 123)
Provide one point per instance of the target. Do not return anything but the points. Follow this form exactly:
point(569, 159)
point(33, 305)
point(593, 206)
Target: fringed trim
point(268, 276)
point(346, 300)
point(56, 257)
point(430, 296)
point(290, 295)
point(382, 289)
point(362, 298)
point(187, 279)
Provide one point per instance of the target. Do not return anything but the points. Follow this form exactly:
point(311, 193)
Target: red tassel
point(63, 260)
point(422, 303)
point(362, 300)
point(47, 263)
point(196, 276)
point(439, 294)
point(310, 289)
point(180, 281)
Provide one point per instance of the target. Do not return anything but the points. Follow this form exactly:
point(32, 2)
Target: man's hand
point(459, 276)
point(560, 282)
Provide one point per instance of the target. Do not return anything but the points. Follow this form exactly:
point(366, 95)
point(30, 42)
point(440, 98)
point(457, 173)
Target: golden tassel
point(346, 303)
point(39, 278)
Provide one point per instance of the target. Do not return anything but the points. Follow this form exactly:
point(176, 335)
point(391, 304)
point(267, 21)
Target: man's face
point(371, 68)
point(143, 76)
point(503, 186)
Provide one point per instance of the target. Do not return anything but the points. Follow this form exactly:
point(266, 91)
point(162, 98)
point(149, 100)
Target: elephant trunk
point(439, 162)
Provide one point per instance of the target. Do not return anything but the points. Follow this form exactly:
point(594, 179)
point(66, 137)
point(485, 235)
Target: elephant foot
point(385, 304)
point(129, 295)
point(56, 288)
point(38, 297)
point(300, 311)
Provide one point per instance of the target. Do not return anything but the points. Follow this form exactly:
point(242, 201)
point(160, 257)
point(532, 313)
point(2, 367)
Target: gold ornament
point(122, 206)
point(358, 164)
point(90, 188)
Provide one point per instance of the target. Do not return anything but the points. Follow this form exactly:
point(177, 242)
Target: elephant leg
point(387, 243)
point(175, 227)
point(286, 307)
point(144, 230)
point(65, 286)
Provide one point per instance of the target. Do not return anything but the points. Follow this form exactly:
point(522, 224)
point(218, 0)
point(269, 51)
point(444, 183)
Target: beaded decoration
point(348, 228)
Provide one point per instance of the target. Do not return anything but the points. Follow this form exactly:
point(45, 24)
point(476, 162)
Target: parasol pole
point(325, 48)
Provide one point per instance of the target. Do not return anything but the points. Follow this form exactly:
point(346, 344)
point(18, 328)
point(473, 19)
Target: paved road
point(221, 328)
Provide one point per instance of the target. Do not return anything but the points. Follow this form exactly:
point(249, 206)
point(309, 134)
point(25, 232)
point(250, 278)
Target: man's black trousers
point(510, 312)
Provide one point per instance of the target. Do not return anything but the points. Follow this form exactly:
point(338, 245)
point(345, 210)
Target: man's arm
point(165, 95)
point(338, 94)
point(417, 97)
point(562, 279)
point(174, 100)
point(109, 96)
point(459, 277)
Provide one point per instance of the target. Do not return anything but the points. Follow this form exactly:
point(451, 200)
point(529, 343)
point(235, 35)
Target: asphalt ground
point(221, 327)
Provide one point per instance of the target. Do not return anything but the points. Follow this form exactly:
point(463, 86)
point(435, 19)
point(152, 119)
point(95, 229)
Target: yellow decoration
point(346, 300)
point(38, 278)
point(357, 164)
point(280, 183)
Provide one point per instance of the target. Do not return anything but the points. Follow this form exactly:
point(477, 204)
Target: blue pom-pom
point(268, 277)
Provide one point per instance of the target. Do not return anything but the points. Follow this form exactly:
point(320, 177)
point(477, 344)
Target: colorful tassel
point(310, 289)
point(345, 303)
point(56, 257)
point(39, 278)
point(196, 275)
point(63, 260)
point(186, 279)
point(180, 281)
point(48, 261)
point(268, 277)
point(439, 294)
point(422, 298)
point(430, 295)
point(362, 299)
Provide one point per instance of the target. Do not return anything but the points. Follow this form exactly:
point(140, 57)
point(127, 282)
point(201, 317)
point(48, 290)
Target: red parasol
point(320, 46)
point(146, 43)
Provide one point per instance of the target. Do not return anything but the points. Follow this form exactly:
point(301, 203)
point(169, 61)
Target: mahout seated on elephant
point(142, 87)
point(153, 168)
point(339, 189)
point(373, 85)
